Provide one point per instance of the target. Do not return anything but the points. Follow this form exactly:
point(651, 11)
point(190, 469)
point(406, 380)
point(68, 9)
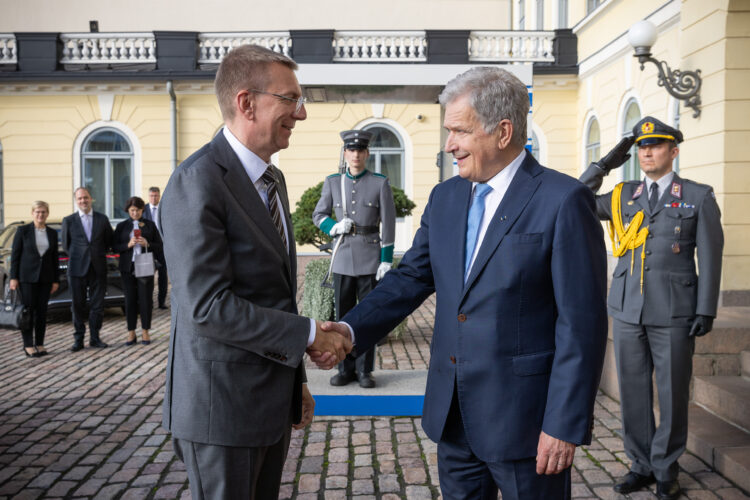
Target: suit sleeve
point(592, 178)
point(154, 242)
point(55, 253)
point(323, 209)
point(197, 231)
point(15, 254)
point(709, 240)
point(398, 294)
point(121, 238)
point(108, 234)
point(65, 236)
point(579, 267)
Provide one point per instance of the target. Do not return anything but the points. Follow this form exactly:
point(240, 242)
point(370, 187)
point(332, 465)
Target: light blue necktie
point(476, 212)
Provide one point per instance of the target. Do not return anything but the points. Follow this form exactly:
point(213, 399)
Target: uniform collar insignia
point(638, 191)
point(676, 190)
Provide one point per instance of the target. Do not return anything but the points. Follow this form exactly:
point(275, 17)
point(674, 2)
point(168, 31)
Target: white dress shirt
point(499, 184)
point(255, 167)
point(87, 219)
point(662, 184)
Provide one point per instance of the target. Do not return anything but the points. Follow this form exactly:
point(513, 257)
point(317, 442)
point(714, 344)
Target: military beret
point(652, 131)
point(356, 139)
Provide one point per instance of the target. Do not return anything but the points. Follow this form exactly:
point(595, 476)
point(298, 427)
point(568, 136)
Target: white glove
point(342, 227)
point(383, 268)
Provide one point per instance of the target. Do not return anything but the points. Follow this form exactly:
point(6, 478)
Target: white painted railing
point(214, 46)
point(380, 46)
point(511, 46)
point(108, 48)
point(8, 49)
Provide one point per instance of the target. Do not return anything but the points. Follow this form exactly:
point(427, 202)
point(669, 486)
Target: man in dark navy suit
point(86, 237)
point(515, 253)
point(152, 213)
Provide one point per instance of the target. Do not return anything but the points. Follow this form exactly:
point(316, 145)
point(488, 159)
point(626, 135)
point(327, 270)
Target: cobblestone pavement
point(87, 425)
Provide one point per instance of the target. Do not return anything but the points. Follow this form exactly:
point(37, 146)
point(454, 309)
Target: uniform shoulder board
point(333, 175)
point(380, 175)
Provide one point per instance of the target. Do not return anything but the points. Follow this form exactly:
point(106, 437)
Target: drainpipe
point(173, 116)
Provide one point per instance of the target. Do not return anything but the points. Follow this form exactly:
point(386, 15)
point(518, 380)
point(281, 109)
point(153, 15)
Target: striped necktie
point(273, 205)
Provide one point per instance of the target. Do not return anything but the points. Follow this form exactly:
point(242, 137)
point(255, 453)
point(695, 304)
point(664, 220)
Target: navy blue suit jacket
point(524, 338)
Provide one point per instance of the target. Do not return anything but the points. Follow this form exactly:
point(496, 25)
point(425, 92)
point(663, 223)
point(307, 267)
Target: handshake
point(331, 345)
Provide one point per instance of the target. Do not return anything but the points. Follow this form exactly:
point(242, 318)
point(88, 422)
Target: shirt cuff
point(311, 335)
point(351, 331)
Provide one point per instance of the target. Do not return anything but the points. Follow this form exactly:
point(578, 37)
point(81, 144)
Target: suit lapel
point(668, 197)
point(642, 199)
point(520, 191)
point(456, 220)
point(238, 183)
point(284, 197)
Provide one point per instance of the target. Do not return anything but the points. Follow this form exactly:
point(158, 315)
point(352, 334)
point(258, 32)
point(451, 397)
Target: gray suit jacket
point(235, 370)
point(686, 219)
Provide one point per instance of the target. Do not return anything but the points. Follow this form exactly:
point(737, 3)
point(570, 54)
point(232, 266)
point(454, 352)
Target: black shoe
point(78, 346)
point(632, 481)
point(34, 354)
point(366, 381)
point(145, 342)
point(98, 343)
point(668, 490)
point(163, 306)
point(342, 379)
point(42, 353)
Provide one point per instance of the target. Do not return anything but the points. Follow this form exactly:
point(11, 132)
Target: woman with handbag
point(35, 273)
point(134, 238)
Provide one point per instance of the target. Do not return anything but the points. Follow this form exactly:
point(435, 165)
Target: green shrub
point(305, 232)
point(317, 301)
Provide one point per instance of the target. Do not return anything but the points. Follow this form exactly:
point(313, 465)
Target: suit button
point(648, 252)
point(453, 360)
point(652, 220)
point(650, 235)
point(462, 317)
point(283, 358)
point(646, 268)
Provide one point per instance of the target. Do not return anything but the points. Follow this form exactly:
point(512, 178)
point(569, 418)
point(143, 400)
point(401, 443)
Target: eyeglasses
point(299, 102)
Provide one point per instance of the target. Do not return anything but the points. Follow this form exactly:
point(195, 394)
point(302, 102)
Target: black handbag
point(13, 314)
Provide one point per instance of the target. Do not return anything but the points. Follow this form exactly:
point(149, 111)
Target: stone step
point(720, 444)
point(727, 397)
point(745, 363)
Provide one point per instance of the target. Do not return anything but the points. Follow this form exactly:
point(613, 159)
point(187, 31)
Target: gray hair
point(244, 67)
point(496, 95)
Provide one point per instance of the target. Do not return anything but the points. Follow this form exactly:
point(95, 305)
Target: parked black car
point(114, 296)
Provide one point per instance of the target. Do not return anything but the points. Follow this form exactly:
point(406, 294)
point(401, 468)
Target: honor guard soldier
point(657, 301)
point(361, 200)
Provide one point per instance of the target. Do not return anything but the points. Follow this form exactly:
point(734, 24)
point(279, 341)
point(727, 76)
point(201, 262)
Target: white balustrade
point(108, 49)
point(380, 46)
point(511, 46)
point(8, 49)
point(214, 46)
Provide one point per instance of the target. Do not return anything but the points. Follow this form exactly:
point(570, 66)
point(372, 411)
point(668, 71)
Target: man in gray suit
point(657, 301)
point(363, 204)
point(235, 375)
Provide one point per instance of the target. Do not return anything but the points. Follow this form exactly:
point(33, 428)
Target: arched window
point(593, 143)
point(631, 170)
point(535, 146)
point(107, 171)
point(386, 153)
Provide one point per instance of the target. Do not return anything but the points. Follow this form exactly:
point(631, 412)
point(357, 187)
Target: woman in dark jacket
point(34, 270)
point(133, 236)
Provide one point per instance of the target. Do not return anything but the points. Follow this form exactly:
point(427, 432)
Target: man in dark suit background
point(86, 237)
point(235, 375)
point(515, 253)
point(152, 213)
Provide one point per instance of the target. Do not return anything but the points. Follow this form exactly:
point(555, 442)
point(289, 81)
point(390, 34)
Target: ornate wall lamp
point(683, 85)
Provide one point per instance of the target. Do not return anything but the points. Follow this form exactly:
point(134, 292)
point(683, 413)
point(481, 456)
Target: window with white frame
point(592, 4)
point(535, 146)
point(562, 14)
point(386, 153)
point(540, 14)
point(593, 142)
point(521, 14)
point(107, 171)
point(631, 169)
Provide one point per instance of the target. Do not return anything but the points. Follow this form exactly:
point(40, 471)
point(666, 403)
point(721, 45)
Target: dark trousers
point(139, 298)
point(163, 279)
point(347, 291)
point(639, 352)
point(96, 286)
point(463, 475)
point(35, 296)
point(227, 473)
